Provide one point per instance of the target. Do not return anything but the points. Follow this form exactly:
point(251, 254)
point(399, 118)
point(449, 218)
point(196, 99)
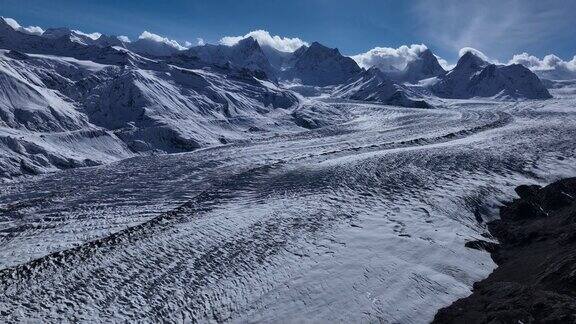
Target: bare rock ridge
point(425, 66)
point(474, 77)
point(74, 99)
point(322, 66)
point(535, 281)
point(372, 85)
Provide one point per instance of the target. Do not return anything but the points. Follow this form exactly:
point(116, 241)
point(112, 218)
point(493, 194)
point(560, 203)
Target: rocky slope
point(321, 66)
point(69, 102)
point(474, 77)
point(372, 85)
point(246, 54)
point(535, 281)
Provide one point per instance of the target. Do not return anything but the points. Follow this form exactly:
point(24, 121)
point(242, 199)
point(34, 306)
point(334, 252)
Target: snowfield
point(363, 220)
point(148, 182)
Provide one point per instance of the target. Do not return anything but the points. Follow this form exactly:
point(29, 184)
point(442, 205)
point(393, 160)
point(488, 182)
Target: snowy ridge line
point(503, 120)
point(203, 202)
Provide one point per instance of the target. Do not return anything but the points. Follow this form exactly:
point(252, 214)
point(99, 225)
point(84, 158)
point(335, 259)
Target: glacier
point(239, 183)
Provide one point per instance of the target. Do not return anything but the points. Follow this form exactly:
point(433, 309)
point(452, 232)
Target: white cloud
point(33, 30)
point(200, 41)
point(549, 62)
point(157, 38)
point(93, 36)
point(124, 39)
point(474, 51)
point(501, 27)
point(444, 64)
point(12, 23)
point(550, 66)
point(387, 58)
point(263, 37)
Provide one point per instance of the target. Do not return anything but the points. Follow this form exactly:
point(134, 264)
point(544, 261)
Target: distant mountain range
point(72, 99)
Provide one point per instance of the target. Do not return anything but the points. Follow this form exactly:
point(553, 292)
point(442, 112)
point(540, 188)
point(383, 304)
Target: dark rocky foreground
point(535, 281)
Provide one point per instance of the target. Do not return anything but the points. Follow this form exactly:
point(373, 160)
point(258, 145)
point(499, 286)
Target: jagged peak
point(472, 60)
point(57, 32)
point(316, 47)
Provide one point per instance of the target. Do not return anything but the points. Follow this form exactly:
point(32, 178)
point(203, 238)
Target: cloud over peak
point(388, 58)
point(549, 62)
point(284, 44)
point(159, 39)
point(474, 51)
point(93, 36)
point(549, 67)
point(33, 30)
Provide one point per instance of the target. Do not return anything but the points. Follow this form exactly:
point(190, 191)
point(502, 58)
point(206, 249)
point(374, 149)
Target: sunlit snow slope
point(364, 220)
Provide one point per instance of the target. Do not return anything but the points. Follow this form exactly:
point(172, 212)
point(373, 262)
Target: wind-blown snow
point(160, 39)
point(476, 52)
point(93, 36)
point(33, 30)
point(124, 39)
point(284, 44)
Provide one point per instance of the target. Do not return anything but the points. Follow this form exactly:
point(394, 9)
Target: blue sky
point(500, 28)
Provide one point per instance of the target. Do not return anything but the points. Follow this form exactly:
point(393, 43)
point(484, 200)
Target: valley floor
point(356, 222)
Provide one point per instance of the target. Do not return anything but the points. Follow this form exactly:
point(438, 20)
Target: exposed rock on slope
point(60, 112)
point(474, 77)
point(246, 54)
point(321, 66)
point(424, 67)
point(373, 85)
point(535, 281)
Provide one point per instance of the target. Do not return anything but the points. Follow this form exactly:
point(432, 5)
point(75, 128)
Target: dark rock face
point(474, 77)
point(535, 281)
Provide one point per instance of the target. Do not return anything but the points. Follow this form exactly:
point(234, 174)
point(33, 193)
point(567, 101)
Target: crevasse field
point(358, 221)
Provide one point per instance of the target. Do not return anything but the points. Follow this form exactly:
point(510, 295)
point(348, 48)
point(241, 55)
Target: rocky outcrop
point(474, 77)
point(535, 281)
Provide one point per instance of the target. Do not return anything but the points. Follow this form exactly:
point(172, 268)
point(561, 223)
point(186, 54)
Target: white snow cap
point(200, 41)
point(93, 36)
point(474, 51)
point(388, 58)
point(159, 39)
point(549, 62)
point(284, 44)
point(32, 30)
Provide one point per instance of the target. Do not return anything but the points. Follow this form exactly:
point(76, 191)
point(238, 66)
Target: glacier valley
point(239, 184)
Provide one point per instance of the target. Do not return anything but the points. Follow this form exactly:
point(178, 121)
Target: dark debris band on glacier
point(362, 220)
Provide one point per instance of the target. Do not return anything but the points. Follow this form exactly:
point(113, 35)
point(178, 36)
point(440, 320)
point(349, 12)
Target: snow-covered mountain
point(558, 73)
point(59, 111)
point(320, 66)
point(374, 86)
point(424, 67)
point(73, 99)
point(246, 54)
point(151, 48)
point(474, 77)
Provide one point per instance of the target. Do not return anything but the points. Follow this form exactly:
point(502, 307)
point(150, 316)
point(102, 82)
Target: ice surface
point(273, 206)
point(363, 220)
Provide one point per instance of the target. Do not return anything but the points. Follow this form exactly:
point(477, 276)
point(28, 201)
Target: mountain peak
point(316, 47)
point(248, 42)
point(470, 59)
point(57, 32)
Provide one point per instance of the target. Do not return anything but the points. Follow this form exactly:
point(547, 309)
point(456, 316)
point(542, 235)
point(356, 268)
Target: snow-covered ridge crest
point(473, 76)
